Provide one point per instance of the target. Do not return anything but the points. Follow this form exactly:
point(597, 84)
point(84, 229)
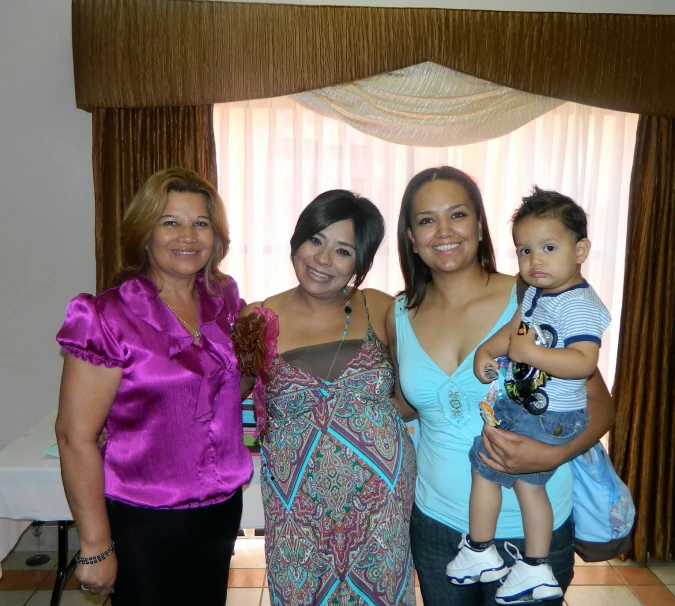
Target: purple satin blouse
point(175, 435)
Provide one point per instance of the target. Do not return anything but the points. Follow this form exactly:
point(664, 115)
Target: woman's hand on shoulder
point(249, 309)
point(276, 303)
point(377, 300)
point(390, 325)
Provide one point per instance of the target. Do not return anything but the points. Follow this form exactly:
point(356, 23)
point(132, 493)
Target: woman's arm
point(87, 393)
point(246, 385)
point(407, 412)
point(514, 454)
point(249, 308)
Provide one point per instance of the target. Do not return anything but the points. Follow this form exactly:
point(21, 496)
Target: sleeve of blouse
point(86, 335)
point(232, 292)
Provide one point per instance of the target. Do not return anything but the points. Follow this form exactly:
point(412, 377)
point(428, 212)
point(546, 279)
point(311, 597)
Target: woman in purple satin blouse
point(151, 359)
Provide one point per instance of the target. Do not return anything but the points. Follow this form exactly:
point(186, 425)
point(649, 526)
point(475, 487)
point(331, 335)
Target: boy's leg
point(537, 518)
point(485, 503)
point(531, 578)
point(562, 562)
point(477, 560)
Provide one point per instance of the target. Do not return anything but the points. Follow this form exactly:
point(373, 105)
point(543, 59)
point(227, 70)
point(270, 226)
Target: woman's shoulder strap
point(365, 303)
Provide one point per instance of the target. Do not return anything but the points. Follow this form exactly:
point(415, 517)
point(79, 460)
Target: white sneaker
point(526, 584)
point(470, 566)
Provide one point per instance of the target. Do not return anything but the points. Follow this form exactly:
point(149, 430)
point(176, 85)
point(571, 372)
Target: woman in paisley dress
point(338, 464)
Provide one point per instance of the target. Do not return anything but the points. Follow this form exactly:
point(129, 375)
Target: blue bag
point(603, 509)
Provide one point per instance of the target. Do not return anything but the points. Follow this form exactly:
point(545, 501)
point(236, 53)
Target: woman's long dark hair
point(416, 273)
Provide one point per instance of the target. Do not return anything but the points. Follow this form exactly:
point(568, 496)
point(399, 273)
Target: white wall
point(46, 205)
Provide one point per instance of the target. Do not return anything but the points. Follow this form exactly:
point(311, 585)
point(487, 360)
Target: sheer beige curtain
point(429, 105)
point(275, 156)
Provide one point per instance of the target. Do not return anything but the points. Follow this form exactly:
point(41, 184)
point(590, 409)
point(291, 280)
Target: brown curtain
point(643, 440)
point(154, 53)
point(129, 145)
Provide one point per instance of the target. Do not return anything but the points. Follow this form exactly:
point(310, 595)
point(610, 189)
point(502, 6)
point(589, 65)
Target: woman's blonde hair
point(147, 206)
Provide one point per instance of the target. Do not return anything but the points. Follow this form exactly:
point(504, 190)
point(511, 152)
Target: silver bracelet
point(95, 559)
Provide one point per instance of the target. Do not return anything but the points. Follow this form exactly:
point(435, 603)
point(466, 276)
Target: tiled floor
point(614, 583)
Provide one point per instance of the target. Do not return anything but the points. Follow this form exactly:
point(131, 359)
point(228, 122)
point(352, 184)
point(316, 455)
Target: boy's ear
point(583, 250)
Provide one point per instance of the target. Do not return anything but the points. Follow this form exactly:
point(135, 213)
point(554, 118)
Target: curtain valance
point(428, 105)
point(154, 53)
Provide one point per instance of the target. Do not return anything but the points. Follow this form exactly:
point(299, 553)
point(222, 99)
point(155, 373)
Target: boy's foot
point(471, 566)
point(526, 584)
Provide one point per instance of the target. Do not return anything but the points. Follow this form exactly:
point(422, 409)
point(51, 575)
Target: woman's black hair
point(416, 273)
point(338, 205)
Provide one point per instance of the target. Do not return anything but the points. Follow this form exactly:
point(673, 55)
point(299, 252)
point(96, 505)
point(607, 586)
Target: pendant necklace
point(348, 313)
point(196, 335)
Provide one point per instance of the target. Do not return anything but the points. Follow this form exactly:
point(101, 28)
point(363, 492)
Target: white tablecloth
point(31, 489)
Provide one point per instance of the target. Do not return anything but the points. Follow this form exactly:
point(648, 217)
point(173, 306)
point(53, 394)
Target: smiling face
point(182, 241)
point(549, 256)
point(325, 263)
point(444, 226)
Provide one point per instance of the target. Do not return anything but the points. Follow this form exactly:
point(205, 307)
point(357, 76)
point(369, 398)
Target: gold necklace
point(196, 335)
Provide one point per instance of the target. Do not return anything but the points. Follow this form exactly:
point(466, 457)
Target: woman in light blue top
point(454, 299)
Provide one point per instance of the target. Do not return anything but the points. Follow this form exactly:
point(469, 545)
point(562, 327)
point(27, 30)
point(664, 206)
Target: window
point(275, 156)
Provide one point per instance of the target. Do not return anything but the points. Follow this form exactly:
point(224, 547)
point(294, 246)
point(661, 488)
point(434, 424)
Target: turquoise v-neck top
point(449, 421)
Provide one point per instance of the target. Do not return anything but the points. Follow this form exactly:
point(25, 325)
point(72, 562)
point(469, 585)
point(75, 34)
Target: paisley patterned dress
point(338, 478)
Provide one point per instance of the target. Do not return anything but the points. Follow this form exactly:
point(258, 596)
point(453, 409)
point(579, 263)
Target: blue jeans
point(553, 427)
point(434, 544)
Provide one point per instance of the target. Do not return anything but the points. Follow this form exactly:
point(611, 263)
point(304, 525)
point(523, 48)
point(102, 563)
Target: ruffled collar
point(212, 358)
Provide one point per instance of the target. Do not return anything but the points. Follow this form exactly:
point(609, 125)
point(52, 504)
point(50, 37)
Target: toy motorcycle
point(526, 385)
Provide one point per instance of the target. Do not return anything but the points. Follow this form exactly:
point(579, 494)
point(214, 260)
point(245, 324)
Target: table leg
point(64, 568)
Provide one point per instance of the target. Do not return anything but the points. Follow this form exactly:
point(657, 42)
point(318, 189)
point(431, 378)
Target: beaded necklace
point(348, 314)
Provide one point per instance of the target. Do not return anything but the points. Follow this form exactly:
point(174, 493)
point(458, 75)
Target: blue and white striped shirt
point(577, 314)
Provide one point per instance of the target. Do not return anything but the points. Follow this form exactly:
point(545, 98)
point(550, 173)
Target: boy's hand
point(485, 367)
point(521, 347)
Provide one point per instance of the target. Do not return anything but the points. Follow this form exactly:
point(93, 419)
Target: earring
point(415, 249)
